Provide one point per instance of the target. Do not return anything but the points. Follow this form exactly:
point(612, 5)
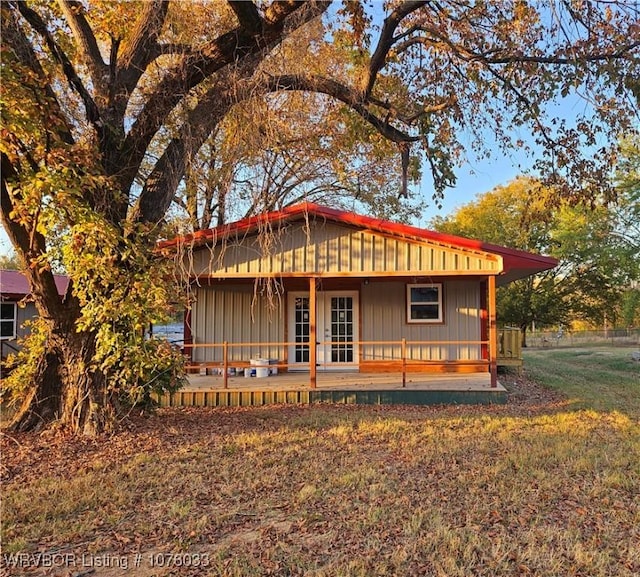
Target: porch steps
point(258, 398)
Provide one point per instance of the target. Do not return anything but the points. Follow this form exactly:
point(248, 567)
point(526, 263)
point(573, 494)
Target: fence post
point(404, 362)
point(225, 364)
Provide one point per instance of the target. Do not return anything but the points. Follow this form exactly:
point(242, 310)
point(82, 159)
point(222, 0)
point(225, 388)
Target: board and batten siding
point(236, 314)
point(331, 249)
point(384, 318)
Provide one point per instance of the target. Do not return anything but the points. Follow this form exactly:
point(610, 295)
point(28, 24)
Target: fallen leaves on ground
point(526, 488)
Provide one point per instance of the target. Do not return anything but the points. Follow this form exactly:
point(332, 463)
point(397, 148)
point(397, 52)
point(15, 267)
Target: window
point(424, 303)
point(8, 320)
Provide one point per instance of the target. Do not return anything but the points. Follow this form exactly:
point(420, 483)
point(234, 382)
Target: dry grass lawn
point(530, 488)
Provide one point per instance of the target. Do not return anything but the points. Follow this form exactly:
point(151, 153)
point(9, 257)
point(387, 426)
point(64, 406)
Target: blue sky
point(472, 179)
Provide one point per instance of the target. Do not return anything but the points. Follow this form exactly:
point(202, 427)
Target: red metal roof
point(517, 263)
point(14, 284)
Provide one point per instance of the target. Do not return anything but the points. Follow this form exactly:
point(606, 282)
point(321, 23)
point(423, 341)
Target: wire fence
point(566, 338)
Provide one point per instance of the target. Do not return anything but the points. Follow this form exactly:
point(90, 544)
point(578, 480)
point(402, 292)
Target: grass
point(596, 377)
point(536, 487)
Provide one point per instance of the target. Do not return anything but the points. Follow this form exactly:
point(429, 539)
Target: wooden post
point(313, 337)
point(225, 364)
point(188, 337)
point(493, 332)
point(404, 362)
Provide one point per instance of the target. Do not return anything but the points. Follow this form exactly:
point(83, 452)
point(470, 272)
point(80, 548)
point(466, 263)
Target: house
point(15, 308)
point(314, 289)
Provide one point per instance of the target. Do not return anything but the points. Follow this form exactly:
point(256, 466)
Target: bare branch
point(74, 13)
point(488, 57)
point(621, 52)
point(410, 118)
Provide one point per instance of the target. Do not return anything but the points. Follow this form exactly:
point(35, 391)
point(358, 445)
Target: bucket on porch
point(262, 367)
point(273, 370)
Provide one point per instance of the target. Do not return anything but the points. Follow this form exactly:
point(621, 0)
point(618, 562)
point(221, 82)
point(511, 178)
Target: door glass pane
point(342, 329)
point(302, 330)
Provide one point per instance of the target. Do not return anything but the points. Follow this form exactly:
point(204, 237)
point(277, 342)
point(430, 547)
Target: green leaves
point(595, 263)
point(123, 287)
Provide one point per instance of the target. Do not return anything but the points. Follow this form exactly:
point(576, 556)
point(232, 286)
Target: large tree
point(93, 90)
point(595, 262)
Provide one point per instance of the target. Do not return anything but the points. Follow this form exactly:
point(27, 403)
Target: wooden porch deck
point(339, 387)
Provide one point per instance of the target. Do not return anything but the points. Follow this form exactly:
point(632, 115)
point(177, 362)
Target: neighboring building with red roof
point(323, 289)
point(15, 308)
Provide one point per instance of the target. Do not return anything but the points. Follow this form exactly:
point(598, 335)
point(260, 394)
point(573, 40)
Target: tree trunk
point(64, 389)
point(41, 403)
point(523, 335)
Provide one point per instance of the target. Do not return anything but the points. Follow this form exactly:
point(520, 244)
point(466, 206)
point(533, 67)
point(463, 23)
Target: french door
point(336, 332)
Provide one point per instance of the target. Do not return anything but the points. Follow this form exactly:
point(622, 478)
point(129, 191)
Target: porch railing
point(407, 356)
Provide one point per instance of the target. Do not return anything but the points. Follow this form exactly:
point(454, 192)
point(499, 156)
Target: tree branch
point(141, 49)
point(407, 119)
point(599, 57)
point(248, 16)
point(342, 93)
point(386, 40)
point(281, 9)
point(234, 46)
point(86, 40)
point(13, 36)
point(171, 48)
point(159, 188)
point(36, 22)
point(468, 55)
point(30, 243)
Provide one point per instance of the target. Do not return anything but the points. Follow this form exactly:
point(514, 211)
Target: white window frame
point(14, 321)
point(438, 302)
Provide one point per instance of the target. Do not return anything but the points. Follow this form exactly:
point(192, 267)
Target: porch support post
point(187, 349)
point(493, 332)
point(225, 364)
point(404, 362)
point(313, 337)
